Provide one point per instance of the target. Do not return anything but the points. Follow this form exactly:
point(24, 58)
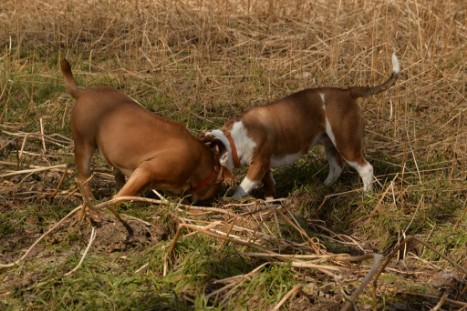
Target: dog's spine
point(368, 90)
point(70, 84)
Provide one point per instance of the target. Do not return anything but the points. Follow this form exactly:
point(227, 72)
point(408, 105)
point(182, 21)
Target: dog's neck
point(233, 149)
point(206, 162)
point(207, 180)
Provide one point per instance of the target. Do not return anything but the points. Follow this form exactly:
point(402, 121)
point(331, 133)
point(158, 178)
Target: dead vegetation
point(201, 63)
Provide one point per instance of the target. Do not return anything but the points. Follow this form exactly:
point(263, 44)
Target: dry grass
point(201, 63)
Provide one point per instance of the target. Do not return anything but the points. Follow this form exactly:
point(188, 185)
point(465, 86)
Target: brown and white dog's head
point(218, 142)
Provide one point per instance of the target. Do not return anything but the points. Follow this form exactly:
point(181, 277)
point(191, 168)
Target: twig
point(209, 233)
point(288, 257)
point(229, 231)
point(256, 202)
point(172, 246)
point(335, 195)
point(412, 151)
point(34, 170)
point(91, 239)
point(326, 269)
point(302, 232)
point(23, 145)
point(160, 196)
point(380, 201)
point(377, 258)
point(297, 288)
point(234, 281)
point(142, 267)
point(440, 303)
point(462, 304)
point(147, 224)
point(41, 123)
point(60, 182)
point(107, 206)
point(400, 245)
point(240, 276)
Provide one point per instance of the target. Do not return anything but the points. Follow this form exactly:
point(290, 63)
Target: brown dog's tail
point(367, 91)
point(70, 84)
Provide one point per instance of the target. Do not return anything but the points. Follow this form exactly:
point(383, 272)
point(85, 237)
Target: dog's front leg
point(139, 179)
point(255, 174)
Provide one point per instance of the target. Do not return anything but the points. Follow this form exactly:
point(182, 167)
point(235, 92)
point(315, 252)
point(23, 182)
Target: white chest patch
point(244, 144)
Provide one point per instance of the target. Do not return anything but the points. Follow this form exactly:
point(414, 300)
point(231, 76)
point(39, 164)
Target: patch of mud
point(316, 302)
point(451, 283)
point(112, 236)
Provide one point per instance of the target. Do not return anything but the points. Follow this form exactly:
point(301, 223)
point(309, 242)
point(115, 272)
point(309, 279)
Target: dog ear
point(201, 136)
point(206, 138)
point(220, 149)
point(223, 158)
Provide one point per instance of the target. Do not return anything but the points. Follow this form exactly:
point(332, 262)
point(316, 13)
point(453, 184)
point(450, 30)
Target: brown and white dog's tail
point(368, 90)
point(70, 84)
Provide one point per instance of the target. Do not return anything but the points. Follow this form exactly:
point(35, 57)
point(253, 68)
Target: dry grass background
point(201, 63)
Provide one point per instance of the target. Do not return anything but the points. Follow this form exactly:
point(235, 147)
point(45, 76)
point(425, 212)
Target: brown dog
point(281, 132)
point(147, 149)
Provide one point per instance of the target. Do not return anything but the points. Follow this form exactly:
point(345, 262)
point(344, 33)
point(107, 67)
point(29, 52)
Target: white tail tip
point(396, 68)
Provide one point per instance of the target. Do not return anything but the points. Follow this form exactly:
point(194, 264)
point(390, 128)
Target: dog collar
point(235, 160)
point(206, 181)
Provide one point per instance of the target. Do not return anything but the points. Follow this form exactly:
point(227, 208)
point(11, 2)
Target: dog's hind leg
point(353, 155)
point(347, 139)
point(365, 170)
point(83, 154)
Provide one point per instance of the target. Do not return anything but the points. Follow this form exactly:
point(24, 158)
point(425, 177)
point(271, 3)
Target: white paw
point(239, 193)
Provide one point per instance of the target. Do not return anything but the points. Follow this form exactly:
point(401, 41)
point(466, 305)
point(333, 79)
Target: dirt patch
point(112, 236)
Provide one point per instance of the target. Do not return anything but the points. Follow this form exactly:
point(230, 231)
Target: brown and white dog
point(279, 133)
point(145, 148)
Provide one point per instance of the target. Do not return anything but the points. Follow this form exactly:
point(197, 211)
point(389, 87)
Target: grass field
point(202, 63)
